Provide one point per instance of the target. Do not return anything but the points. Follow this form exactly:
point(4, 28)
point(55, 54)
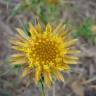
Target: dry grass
point(80, 82)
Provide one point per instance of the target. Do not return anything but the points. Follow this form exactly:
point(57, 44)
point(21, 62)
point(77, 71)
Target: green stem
point(42, 87)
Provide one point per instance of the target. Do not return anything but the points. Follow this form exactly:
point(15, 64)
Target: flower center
point(45, 50)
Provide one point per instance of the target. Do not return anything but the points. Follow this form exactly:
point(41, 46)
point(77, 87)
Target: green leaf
point(18, 66)
point(85, 30)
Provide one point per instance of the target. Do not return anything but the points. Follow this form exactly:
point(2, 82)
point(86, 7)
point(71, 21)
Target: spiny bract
point(47, 52)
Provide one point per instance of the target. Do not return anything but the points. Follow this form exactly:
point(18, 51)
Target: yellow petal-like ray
point(33, 31)
point(20, 38)
point(18, 61)
point(18, 43)
point(70, 60)
point(48, 79)
point(56, 30)
point(18, 48)
point(17, 55)
point(26, 72)
point(38, 73)
point(72, 51)
point(59, 76)
point(48, 28)
point(22, 33)
point(39, 28)
point(70, 43)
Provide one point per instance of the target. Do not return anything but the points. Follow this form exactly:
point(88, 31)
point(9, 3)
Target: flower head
point(53, 1)
point(46, 52)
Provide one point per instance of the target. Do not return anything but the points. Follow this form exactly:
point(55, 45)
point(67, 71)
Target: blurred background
point(80, 15)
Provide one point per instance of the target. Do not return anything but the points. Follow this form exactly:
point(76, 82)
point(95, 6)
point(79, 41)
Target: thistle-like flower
point(47, 52)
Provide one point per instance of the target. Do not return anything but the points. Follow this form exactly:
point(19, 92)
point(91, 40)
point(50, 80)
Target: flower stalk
point(42, 86)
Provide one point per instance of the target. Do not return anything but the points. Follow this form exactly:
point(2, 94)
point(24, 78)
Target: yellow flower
point(53, 1)
point(46, 52)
